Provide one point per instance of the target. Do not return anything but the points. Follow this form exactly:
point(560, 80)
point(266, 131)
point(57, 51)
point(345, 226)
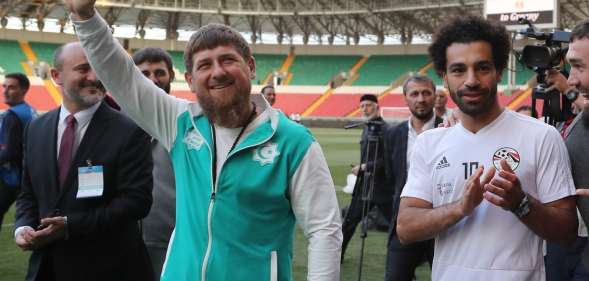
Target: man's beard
point(230, 115)
point(423, 116)
point(167, 87)
point(489, 97)
point(86, 101)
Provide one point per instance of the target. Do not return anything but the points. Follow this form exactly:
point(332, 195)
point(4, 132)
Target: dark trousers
point(402, 260)
point(7, 196)
point(157, 255)
point(354, 216)
point(564, 263)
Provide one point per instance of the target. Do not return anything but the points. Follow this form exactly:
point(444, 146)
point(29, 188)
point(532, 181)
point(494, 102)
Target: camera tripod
point(371, 150)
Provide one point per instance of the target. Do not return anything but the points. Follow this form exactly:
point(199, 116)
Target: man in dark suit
point(86, 182)
point(382, 191)
point(419, 92)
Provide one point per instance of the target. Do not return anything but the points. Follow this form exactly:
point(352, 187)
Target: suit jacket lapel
point(96, 128)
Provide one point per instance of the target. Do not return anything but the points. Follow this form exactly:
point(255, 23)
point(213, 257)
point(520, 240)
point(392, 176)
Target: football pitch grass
point(341, 149)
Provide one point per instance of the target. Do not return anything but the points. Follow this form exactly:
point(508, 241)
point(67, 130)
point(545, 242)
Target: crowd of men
point(143, 185)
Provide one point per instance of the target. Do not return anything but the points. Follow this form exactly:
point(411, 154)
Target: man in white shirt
point(488, 223)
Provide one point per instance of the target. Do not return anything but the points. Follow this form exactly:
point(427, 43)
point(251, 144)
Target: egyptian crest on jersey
point(509, 154)
point(266, 153)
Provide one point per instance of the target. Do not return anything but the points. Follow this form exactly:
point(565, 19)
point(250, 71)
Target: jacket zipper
point(210, 233)
point(212, 204)
point(209, 225)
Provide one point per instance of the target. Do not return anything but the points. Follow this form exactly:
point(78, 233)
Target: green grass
point(341, 149)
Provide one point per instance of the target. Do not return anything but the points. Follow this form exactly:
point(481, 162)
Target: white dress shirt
point(82, 121)
point(412, 134)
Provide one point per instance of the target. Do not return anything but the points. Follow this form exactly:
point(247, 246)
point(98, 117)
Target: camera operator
point(419, 92)
point(577, 134)
point(557, 82)
point(382, 197)
point(564, 262)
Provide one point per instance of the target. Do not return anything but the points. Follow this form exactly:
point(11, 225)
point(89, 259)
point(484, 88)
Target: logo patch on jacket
point(193, 140)
point(265, 154)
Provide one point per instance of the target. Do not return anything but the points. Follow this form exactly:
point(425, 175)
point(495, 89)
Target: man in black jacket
point(419, 92)
point(86, 182)
point(383, 193)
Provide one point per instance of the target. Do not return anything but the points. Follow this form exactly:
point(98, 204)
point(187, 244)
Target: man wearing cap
point(383, 194)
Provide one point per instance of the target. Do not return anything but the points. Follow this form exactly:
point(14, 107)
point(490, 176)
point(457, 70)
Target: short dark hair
point(23, 80)
point(369, 97)
point(153, 55)
point(270, 86)
point(581, 31)
point(418, 78)
point(214, 35)
point(470, 29)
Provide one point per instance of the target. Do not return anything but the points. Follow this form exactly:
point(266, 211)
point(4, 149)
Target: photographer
point(419, 92)
point(577, 134)
point(564, 262)
point(383, 194)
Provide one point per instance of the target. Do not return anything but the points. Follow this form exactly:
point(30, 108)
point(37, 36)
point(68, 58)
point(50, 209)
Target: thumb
point(488, 176)
point(505, 166)
point(476, 176)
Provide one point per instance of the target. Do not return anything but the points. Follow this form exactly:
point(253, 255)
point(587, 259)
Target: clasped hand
point(504, 191)
point(48, 231)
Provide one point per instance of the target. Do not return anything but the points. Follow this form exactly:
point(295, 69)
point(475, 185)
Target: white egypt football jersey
point(490, 244)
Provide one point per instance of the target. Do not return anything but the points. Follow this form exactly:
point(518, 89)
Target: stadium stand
point(265, 65)
point(319, 69)
point(12, 56)
point(381, 70)
point(44, 51)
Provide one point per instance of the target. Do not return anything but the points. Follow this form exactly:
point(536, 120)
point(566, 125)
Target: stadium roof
point(322, 21)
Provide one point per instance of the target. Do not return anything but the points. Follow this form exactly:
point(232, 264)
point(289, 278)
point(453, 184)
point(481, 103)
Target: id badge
point(90, 181)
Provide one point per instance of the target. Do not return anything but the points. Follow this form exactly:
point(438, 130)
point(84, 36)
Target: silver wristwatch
point(523, 208)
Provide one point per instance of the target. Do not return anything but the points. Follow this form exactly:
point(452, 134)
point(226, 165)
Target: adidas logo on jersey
point(443, 164)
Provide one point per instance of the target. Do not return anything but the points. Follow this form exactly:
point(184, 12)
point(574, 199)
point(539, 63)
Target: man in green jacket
point(244, 173)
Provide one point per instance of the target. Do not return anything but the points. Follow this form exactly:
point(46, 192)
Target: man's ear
point(251, 63)
point(500, 73)
point(445, 79)
point(188, 78)
point(172, 75)
point(56, 76)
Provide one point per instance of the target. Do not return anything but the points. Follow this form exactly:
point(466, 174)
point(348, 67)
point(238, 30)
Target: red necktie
point(64, 160)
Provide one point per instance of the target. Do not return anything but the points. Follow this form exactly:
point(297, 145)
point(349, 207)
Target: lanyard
point(249, 120)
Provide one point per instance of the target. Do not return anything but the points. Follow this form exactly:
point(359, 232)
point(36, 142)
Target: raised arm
point(149, 106)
